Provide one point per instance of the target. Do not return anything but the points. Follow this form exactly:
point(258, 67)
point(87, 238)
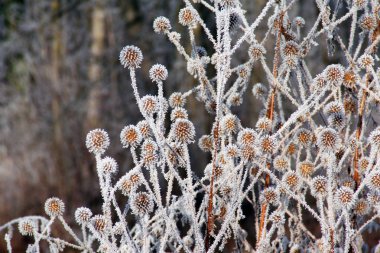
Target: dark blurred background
point(60, 77)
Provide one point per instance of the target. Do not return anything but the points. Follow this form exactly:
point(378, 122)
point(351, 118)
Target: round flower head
point(27, 227)
point(228, 3)
point(182, 130)
point(350, 105)
point(144, 129)
point(177, 100)
point(232, 151)
point(270, 196)
point(344, 197)
point(268, 144)
point(259, 90)
point(290, 49)
point(256, 52)
point(131, 57)
point(178, 113)
point(334, 74)
point(319, 83)
point(161, 25)
point(374, 138)
point(292, 180)
point(367, 22)
point(82, 215)
point(366, 61)
point(361, 207)
point(333, 107)
point(158, 72)
point(247, 136)
point(304, 137)
point(264, 124)
point(205, 143)
point(299, 21)
point(337, 121)
point(277, 218)
point(141, 203)
point(230, 124)
point(374, 181)
point(108, 165)
point(149, 105)
point(235, 99)
point(129, 182)
point(130, 136)
point(186, 16)
point(281, 163)
point(149, 152)
point(363, 164)
point(247, 152)
point(350, 79)
point(54, 207)
point(100, 223)
point(97, 141)
point(243, 72)
point(291, 149)
point(306, 169)
point(319, 186)
point(328, 140)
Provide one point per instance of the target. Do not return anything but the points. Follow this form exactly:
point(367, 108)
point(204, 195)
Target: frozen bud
point(268, 144)
point(337, 121)
point(149, 105)
point(259, 90)
point(131, 57)
point(367, 22)
point(361, 207)
point(187, 16)
point(247, 153)
point(281, 163)
point(247, 136)
point(319, 83)
point(97, 141)
point(27, 226)
point(334, 74)
point(306, 169)
point(328, 140)
point(177, 100)
point(128, 183)
point(374, 181)
point(270, 196)
point(235, 99)
point(54, 207)
point(304, 137)
point(161, 25)
point(364, 164)
point(290, 49)
point(143, 127)
point(149, 152)
point(130, 136)
point(100, 223)
point(230, 124)
point(350, 79)
point(344, 197)
point(264, 124)
point(299, 21)
point(292, 180)
point(178, 113)
point(366, 61)
point(243, 72)
point(182, 130)
point(333, 107)
point(232, 151)
point(319, 186)
point(108, 165)
point(158, 72)
point(277, 218)
point(256, 52)
point(141, 203)
point(374, 138)
point(82, 215)
point(205, 143)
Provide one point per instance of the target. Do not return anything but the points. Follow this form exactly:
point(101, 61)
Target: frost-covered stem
point(347, 236)
point(156, 184)
point(47, 227)
point(7, 239)
point(69, 230)
point(353, 29)
point(145, 234)
point(330, 204)
point(170, 188)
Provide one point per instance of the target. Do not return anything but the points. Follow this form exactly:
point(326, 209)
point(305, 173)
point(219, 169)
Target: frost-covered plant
point(320, 154)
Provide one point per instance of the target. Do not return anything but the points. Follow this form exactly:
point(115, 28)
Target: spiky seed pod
point(228, 3)
point(161, 25)
point(350, 79)
point(205, 143)
point(363, 164)
point(243, 72)
point(27, 227)
point(118, 228)
point(350, 105)
point(82, 215)
point(373, 198)
point(149, 152)
point(374, 138)
point(183, 131)
point(366, 61)
point(270, 196)
point(178, 113)
point(158, 72)
point(54, 207)
point(292, 180)
point(348, 182)
point(97, 141)
point(131, 57)
point(319, 83)
point(230, 124)
point(232, 151)
point(235, 99)
point(141, 203)
point(292, 148)
point(361, 207)
point(268, 144)
point(281, 163)
point(367, 22)
point(175, 156)
point(328, 140)
point(319, 186)
point(290, 49)
point(264, 124)
point(299, 21)
point(344, 197)
point(334, 74)
point(186, 17)
point(177, 100)
point(127, 183)
point(100, 223)
point(144, 129)
point(130, 136)
point(247, 136)
point(149, 105)
point(304, 137)
point(247, 152)
point(374, 181)
point(108, 165)
point(256, 52)
point(259, 90)
point(306, 169)
point(337, 121)
point(277, 218)
point(333, 107)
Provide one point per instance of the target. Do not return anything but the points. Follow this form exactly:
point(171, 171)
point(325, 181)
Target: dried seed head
point(247, 152)
point(374, 181)
point(281, 163)
point(235, 99)
point(306, 169)
point(161, 25)
point(328, 140)
point(334, 74)
point(108, 165)
point(100, 223)
point(367, 22)
point(366, 61)
point(304, 137)
point(247, 136)
point(149, 105)
point(141, 203)
point(277, 218)
point(144, 129)
point(205, 143)
point(131, 57)
point(243, 72)
point(337, 121)
point(128, 183)
point(299, 21)
point(178, 113)
point(158, 72)
point(270, 196)
point(290, 49)
point(344, 197)
point(256, 52)
point(232, 151)
point(186, 16)
point(264, 124)
point(319, 83)
point(97, 141)
point(82, 215)
point(350, 79)
point(268, 144)
point(54, 207)
point(292, 180)
point(177, 100)
point(259, 90)
point(230, 124)
point(292, 148)
point(363, 164)
point(349, 104)
point(130, 136)
point(319, 186)
point(374, 138)
point(333, 107)
point(27, 226)
point(182, 130)
point(149, 152)
point(362, 207)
